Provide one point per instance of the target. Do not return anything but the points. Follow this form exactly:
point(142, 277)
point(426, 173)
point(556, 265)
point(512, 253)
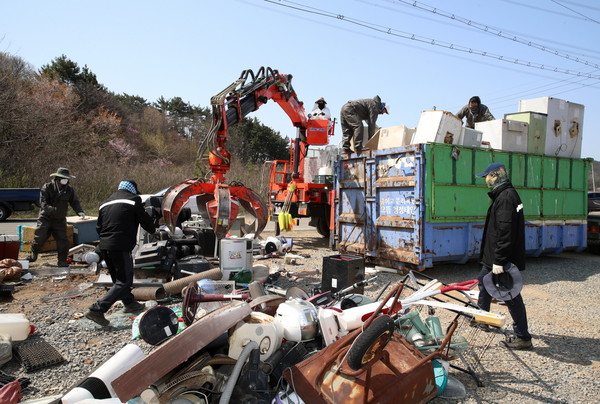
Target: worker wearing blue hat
point(502, 253)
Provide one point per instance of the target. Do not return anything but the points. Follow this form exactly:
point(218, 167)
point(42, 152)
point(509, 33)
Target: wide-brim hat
point(321, 100)
point(62, 173)
point(505, 286)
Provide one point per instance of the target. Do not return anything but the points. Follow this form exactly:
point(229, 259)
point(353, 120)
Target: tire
point(323, 227)
point(370, 341)
point(5, 212)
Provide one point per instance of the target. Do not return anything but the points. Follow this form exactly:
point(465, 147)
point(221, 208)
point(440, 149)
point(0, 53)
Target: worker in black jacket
point(118, 220)
point(503, 245)
point(55, 198)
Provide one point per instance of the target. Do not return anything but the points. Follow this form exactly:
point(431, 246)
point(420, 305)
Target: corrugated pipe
point(237, 369)
point(175, 287)
point(149, 293)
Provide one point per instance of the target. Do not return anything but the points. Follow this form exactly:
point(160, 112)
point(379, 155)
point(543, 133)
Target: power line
point(494, 31)
point(587, 6)
point(576, 12)
point(429, 41)
point(522, 4)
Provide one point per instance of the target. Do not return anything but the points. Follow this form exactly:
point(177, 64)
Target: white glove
point(497, 269)
point(82, 215)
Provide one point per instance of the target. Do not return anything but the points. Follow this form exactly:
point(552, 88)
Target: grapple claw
point(222, 207)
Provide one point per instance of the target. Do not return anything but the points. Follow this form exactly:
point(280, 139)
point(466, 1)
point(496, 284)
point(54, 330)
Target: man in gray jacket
point(352, 115)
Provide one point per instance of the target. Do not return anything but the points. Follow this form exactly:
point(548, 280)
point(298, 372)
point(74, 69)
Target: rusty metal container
point(413, 206)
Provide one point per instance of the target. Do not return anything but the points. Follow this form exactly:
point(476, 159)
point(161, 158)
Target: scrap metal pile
point(264, 344)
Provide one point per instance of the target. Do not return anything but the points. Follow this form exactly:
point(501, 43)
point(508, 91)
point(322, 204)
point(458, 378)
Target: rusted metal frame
point(178, 349)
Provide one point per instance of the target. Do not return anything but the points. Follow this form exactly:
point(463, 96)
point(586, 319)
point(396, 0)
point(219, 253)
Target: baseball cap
point(490, 168)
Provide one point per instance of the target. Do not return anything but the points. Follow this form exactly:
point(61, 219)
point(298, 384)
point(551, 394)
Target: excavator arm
point(245, 95)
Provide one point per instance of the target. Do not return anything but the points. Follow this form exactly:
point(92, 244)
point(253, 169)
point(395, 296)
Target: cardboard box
point(393, 136)
point(27, 234)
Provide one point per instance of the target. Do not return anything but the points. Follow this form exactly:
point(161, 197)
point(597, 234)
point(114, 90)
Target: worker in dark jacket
point(475, 112)
point(503, 246)
point(118, 220)
point(55, 198)
point(352, 115)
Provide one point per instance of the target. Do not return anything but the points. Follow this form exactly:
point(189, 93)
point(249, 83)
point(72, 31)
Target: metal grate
point(37, 354)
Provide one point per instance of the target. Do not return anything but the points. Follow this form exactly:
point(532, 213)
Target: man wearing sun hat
point(502, 253)
point(55, 198)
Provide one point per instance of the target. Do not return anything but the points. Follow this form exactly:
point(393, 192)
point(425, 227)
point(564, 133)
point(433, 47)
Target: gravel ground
point(560, 293)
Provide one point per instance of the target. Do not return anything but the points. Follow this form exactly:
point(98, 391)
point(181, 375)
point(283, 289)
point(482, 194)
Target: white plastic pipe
point(114, 367)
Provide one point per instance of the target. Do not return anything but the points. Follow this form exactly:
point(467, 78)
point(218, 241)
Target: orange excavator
point(222, 201)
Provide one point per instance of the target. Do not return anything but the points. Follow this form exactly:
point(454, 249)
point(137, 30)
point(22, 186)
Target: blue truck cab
point(17, 199)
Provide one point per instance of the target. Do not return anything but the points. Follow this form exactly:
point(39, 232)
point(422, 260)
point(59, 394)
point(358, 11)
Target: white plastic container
point(16, 325)
point(235, 255)
point(504, 134)
point(438, 127)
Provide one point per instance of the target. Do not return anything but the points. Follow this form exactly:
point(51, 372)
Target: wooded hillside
point(62, 116)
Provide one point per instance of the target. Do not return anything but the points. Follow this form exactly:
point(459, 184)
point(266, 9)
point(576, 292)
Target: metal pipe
point(149, 293)
point(176, 286)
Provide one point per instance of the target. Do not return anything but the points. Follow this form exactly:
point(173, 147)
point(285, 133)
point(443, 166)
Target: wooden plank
point(178, 349)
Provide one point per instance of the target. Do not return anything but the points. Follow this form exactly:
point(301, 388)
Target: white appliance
point(504, 134)
point(235, 255)
point(438, 127)
point(564, 127)
point(470, 137)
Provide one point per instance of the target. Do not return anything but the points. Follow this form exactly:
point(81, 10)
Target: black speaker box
point(341, 271)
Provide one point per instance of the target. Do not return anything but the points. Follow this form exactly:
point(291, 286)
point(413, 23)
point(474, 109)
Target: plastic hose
point(237, 369)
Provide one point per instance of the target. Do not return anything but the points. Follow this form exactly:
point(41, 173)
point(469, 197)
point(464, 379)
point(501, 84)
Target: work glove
point(82, 215)
point(497, 269)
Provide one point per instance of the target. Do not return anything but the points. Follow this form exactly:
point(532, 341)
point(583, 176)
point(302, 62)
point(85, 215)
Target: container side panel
point(518, 169)
point(459, 202)
point(532, 203)
point(534, 171)
point(397, 208)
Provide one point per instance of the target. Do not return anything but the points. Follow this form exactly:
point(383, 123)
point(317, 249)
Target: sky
point(416, 56)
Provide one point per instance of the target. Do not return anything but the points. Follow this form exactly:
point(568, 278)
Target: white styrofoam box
point(438, 127)
point(393, 136)
point(564, 128)
point(504, 134)
point(471, 137)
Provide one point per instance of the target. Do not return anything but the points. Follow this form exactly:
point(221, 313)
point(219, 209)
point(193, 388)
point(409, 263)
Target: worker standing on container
point(475, 112)
point(353, 114)
point(118, 220)
point(320, 110)
point(503, 247)
point(55, 198)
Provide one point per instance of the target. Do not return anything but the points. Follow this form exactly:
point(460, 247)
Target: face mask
point(64, 181)
point(321, 106)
